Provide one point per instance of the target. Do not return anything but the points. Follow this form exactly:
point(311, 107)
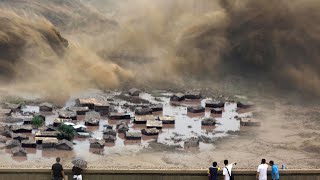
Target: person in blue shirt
point(274, 171)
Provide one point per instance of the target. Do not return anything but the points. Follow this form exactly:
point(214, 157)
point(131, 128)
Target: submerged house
point(64, 145)
point(46, 107)
point(18, 151)
point(96, 143)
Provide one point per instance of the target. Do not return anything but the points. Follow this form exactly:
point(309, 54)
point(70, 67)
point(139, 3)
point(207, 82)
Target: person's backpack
point(230, 175)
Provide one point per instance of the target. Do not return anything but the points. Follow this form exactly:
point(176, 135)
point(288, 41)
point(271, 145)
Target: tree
point(66, 132)
point(37, 121)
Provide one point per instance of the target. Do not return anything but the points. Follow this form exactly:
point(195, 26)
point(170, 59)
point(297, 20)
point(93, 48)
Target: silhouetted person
point(274, 171)
point(57, 170)
point(213, 171)
point(262, 170)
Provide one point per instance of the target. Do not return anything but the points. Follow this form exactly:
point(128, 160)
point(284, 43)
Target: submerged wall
point(44, 174)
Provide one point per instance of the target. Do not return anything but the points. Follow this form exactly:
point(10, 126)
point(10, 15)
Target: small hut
point(109, 138)
point(64, 145)
point(12, 143)
point(65, 114)
point(92, 118)
point(134, 92)
point(193, 95)
point(83, 134)
point(46, 134)
point(21, 128)
point(196, 109)
point(214, 104)
point(167, 119)
point(150, 132)
point(58, 121)
point(245, 104)
point(117, 116)
point(96, 143)
point(154, 124)
point(79, 110)
point(122, 126)
point(177, 97)
point(86, 102)
point(29, 143)
point(133, 135)
point(109, 132)
point(46, 107)
point(142, 111)
point(156, 107)
point(143, 119)
point(102, 108)
point(19, 137)
point(18, 151)
point(49, 142)
point(208, 121)
point(216, 111)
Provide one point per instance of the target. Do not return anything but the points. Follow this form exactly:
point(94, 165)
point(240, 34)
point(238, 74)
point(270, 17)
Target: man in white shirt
point(262, 170)
point(227, 169)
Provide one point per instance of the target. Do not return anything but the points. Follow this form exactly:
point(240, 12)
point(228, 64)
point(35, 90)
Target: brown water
point(186, 125)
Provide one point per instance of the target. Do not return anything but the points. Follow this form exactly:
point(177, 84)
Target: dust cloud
point(156, 43)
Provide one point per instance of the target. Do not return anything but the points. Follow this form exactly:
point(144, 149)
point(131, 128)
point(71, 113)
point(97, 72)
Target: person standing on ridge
point(57, 172)
point(213, 171)
point(262, 170)
point(227, 170)
point(274, 171)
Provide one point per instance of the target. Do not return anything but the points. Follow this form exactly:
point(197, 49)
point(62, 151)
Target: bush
point(66, 132)
point(37, 121)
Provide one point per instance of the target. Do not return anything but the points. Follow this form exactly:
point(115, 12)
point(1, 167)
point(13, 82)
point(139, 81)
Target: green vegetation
point(37, 121)
point(66, 132)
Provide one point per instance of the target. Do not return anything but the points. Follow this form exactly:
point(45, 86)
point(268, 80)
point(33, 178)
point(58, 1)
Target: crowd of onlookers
point(57, 172)
point(227, 170)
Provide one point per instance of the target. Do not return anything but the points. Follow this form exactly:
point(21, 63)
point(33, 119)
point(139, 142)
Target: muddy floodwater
point(187, 125)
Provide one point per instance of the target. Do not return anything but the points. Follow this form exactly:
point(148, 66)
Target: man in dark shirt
point(213, 171)
point(57, 170)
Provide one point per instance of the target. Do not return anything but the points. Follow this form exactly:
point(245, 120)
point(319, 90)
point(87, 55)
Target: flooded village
point(113, 122)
